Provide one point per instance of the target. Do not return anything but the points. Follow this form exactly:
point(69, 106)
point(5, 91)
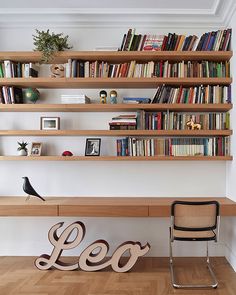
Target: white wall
point(230, 226)
point(28, 236)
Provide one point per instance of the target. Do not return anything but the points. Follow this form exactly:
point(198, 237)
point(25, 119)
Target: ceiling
point(156, 4)
point(101, 13)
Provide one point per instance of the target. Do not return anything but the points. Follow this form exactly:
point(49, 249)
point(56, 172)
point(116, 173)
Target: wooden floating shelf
point(110, 82)
point(118, 56)
point(101, 206)
point(191, 133)
point(116, 158)
point(113, 107)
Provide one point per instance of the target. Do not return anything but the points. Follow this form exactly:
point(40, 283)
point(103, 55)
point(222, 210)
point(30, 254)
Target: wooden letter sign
point(93, 257)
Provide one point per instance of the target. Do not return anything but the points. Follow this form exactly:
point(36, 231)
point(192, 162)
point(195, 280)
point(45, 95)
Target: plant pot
point(22, 153)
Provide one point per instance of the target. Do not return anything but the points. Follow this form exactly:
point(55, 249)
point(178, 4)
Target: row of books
point(10, 95)
point(96, 69)
point(198, 94)
point(214, 146)
point(182, 121)
point(10, 69)
point(191, 69)
point(214, 40)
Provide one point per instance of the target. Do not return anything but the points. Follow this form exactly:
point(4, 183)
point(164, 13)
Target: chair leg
point(175, 284)
point(214, 283)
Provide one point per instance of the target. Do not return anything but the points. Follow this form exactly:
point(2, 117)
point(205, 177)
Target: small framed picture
point(92, 147)
point(36, 148)
point(49, 123)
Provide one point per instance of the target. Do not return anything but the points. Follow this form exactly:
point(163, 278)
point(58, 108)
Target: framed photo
point(49, 123)
point(36, 148)
point(92, 147)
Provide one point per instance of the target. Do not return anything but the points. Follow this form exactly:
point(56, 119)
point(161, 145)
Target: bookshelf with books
point(216, 75)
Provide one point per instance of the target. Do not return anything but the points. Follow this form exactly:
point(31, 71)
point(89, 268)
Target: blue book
point(136, 100)
point(204, 46)
point(212, 40)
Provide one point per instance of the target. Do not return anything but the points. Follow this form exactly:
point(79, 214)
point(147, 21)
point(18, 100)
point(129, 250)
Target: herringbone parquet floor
point(150, 276)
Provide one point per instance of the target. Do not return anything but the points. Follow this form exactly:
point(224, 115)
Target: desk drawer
point(103, 211)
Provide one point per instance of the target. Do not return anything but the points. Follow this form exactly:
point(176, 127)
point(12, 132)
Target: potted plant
point(22, 149)
point(49, 43)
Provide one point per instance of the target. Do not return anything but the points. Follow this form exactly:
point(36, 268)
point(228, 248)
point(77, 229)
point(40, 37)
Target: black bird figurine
point(28, 189)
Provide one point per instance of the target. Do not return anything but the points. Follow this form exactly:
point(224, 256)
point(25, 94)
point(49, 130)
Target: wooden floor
point(150, 276)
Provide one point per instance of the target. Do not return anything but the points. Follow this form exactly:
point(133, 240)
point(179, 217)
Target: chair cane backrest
point(195, 216)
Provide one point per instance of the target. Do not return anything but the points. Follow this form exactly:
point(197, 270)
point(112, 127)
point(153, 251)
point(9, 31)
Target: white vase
point(22, 153)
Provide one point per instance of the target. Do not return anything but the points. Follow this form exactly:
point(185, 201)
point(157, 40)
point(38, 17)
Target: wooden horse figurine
point(58, 71)
point(193, 126)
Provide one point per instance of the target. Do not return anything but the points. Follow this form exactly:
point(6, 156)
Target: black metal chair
point(194, 221)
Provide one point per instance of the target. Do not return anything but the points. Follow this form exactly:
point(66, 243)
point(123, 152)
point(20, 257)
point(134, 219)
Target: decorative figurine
point(103, 96)
point(193, 126)
point(113, 97)
point(22, 148)
point(28, 189)
point(58, 71)
point(67, 154)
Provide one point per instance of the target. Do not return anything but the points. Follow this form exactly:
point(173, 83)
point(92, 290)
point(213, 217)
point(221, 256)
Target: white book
point(8, 69)
point(67, 70)
point(73, 96)
point(106, 48)
point(86, 69)
point(26, 71)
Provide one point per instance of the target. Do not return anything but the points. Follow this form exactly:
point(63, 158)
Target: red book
point(207, 42)
point(227, 40)
point(170, 147)
point(159, 121)
point(179, 95)
point(220, 147)
point(143, 41)
point(161, 69)
point(191, 92)
point(163, 47)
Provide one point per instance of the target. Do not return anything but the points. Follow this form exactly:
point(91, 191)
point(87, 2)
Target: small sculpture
point(28, 189)
point(58, 71)
point(22, 148)
point(67, 154)
point(193, 126)
point(103, 96)
point(113, 97)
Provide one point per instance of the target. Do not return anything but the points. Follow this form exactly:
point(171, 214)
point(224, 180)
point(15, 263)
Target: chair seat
point(194, 235)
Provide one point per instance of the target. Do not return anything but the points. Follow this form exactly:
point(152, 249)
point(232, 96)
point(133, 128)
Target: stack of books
point(124, 122)
point(74, 98)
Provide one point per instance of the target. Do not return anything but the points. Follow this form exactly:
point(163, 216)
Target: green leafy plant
point(22, 146)
point(49, 43)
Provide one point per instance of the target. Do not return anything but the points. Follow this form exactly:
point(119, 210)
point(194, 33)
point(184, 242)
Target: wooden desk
point(100, 206)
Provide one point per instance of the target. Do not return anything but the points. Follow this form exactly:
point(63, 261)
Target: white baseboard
point(230, 256)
